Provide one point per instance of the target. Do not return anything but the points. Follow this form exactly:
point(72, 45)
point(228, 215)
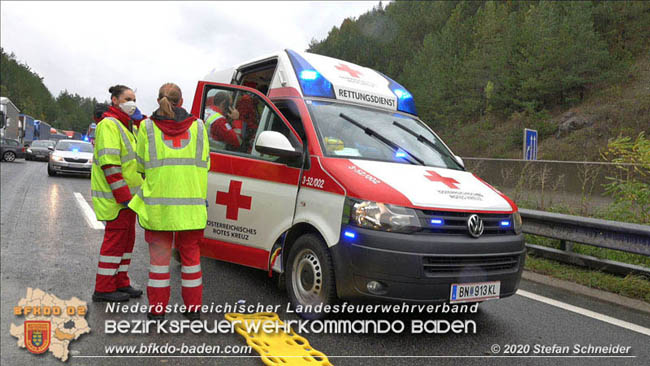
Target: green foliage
point(26, 90)
point(464, 60)
point(630, 188)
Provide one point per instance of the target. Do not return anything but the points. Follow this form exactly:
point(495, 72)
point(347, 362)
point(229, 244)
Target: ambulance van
point(322, 173)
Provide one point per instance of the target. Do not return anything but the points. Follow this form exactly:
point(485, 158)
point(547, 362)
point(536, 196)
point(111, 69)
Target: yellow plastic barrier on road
point(277, 348)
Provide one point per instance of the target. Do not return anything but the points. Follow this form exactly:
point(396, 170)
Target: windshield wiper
point(426, 141)
point(369, 131)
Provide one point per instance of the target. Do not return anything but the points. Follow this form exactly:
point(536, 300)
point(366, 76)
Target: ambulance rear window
point(339, 137)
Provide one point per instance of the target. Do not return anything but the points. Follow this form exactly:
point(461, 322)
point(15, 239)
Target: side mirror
point(276, 144)
point(51, 148)
point(459, 160)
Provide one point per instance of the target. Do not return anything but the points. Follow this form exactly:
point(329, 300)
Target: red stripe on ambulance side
point(316, 172)
point(287, 92)
point(234, 253)
point(253, 168)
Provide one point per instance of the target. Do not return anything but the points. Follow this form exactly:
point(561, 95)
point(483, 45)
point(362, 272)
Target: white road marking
point(88, 213)
point(585, 312)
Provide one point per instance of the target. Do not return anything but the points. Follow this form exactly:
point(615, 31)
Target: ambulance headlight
point(381, 216)
point(517, 222)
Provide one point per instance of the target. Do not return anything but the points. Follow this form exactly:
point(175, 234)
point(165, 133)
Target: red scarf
point(119, 114)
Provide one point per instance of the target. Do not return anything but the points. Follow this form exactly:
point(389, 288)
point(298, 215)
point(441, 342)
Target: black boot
point(156, 317)
point(115, 296)
point(132, 292)
point(192, 315)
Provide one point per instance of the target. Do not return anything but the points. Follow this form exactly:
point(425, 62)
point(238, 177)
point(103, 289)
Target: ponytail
point(169, 96)
point(165, 108)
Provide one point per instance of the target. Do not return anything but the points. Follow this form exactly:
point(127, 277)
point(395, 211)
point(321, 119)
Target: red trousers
point(160, 249)
point(115, 253)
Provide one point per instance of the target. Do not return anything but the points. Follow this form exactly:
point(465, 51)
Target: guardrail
point(631, 238)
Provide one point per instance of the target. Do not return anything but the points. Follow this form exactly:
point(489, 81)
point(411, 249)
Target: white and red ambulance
point(327, 176)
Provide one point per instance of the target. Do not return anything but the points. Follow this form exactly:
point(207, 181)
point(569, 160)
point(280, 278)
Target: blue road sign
point(530, 144)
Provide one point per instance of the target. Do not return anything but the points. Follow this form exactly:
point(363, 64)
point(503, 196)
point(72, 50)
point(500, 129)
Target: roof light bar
point(313, 84)
point(405, 101)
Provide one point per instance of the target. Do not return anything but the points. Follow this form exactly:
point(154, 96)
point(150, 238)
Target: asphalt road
point(47, 244)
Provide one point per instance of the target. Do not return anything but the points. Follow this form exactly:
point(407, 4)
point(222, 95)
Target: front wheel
point(9, 156)
point(50, 171)
point(310, 277)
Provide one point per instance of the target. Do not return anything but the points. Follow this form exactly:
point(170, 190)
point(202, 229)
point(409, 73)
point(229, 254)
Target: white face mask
point(128, 107)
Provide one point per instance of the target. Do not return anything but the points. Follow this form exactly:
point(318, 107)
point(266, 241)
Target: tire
point(9, 156)
point(50, 171)
point(310, 276)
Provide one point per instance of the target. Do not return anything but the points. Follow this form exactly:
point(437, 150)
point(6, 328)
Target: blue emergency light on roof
point(405, 101)
point(308, 75)
point(313, 84)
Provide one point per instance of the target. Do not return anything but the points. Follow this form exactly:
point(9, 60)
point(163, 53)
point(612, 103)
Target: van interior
point(258, 75)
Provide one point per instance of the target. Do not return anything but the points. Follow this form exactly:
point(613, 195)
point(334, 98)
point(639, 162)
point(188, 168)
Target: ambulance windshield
point(340, 138)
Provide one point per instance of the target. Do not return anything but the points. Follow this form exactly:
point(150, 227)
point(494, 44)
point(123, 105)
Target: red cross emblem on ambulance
point(177, 141)
point(354, 73)
point(233, 200)
point(435, 177)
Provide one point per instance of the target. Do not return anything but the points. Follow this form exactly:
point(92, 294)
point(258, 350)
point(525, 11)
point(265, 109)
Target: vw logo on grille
point(475, 226)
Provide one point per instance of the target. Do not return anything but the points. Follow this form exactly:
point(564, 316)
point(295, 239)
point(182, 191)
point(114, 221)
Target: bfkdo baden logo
point(50, 323)
point(37, 335)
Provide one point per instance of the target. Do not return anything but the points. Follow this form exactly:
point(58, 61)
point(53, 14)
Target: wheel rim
point(307, 278)
point(10, 156)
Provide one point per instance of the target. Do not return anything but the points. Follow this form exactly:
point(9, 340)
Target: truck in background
point(34, 129)
point(9, 121)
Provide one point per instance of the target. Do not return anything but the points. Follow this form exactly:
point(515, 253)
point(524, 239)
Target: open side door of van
point(255, 169)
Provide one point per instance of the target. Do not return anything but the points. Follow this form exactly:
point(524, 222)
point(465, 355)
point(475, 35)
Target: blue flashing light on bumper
point(505, 223)
point(349, 234)
point(437, 222)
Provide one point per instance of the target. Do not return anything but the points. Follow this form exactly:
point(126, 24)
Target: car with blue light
point(71, 157)
point(332, 183)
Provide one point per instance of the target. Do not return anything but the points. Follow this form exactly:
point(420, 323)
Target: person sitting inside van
point(224, 125)
point(248, 123)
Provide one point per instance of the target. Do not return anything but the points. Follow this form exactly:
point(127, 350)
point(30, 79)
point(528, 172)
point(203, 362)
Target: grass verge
point(636, 287)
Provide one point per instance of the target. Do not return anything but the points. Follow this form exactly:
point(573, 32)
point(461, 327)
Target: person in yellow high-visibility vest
point(114, 179)
point(173, 154)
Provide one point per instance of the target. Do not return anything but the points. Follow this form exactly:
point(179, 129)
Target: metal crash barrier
point(631, 238)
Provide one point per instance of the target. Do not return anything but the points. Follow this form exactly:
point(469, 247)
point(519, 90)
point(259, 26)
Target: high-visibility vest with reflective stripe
point(175, 188)
point(214, 144)
point(114, 145)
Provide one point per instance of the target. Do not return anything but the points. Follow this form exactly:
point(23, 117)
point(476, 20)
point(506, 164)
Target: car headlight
point(57, 158)
point(29, 151)
point(90, 160)
point(381, 216)
point(518, 223)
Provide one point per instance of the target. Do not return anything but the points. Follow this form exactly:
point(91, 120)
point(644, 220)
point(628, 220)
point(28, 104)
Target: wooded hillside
point(482, 65)
point(26, 90)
